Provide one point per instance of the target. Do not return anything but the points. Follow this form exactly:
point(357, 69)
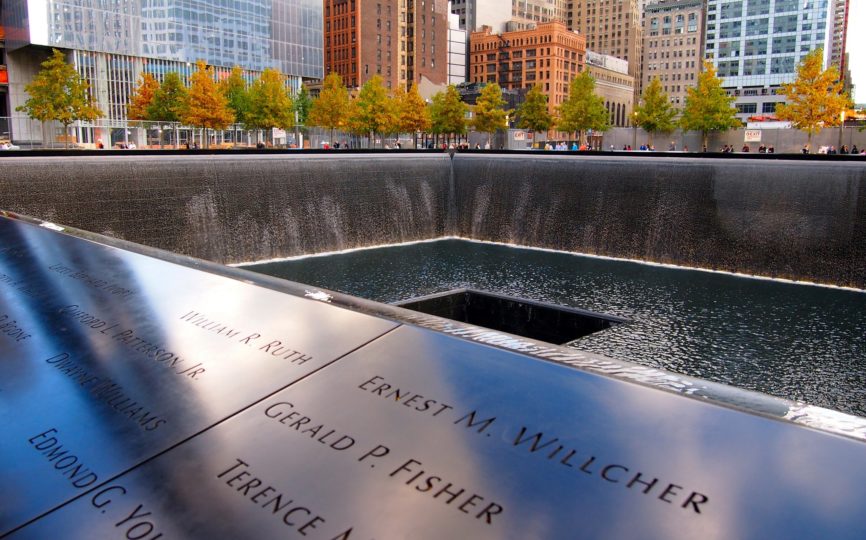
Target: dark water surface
point(799, 342)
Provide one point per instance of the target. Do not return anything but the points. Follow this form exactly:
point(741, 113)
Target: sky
point(856, 47)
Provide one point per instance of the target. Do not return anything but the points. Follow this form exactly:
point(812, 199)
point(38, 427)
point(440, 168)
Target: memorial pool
point(795, 341)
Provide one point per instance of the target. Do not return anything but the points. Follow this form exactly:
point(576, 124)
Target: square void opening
point(537, 320)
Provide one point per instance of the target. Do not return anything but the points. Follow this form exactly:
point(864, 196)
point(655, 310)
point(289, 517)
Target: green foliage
point(489, 114)
point(655, 112)
point(372, 111)
point(448, 112)
point(206, 106)
point(234, 88)
point(169, 100)
point(330, 109)
point(142, 97)
point(270, 102)
point(533, 113)
point(816, 98)
point(583, 109)
point(708, 108)
point(58, 93)
point(303, 104)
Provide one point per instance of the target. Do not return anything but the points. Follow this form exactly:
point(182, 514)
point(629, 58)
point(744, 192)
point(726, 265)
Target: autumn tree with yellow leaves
point(816, 98)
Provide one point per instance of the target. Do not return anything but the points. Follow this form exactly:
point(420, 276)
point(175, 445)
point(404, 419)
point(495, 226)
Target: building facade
point(610, 27)
point(614, 85)
point(839, 39)
point(673, 37)
point(539, 11)
point(549, 56)
point(4, 88)
point(112, 44)
point(473, 14)
point(402, 41)
point(755, 46)
point(458, 41)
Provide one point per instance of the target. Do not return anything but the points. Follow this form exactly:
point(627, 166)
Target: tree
point(59, 93)
point(234, 88)
point(533, 114)
point(489, 112)
point(708, 108)
point(373, 110)
point(582, 109)
point(412, 113)
point(330, 109)
point(816, 98)
point(303, 104)
point(206, 107)
point(448, 112)
point(270, 102)
point(169, 101)
point(142, 97)
point(655, 112)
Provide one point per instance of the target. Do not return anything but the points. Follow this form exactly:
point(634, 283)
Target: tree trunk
point(705, 138)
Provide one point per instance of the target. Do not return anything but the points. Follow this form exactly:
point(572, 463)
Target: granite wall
point(791, 219)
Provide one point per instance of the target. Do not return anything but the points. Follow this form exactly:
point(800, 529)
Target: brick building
point(400, 40)
point(549, 55)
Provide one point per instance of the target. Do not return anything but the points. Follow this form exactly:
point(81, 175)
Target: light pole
point(841, 129)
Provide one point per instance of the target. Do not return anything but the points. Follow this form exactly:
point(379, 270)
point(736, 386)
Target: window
point(784, 64)
point(747, 108)
point(784, 24)
point(755, 66)
point(732, 10)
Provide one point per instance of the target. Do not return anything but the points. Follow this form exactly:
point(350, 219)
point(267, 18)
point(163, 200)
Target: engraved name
point(62, 459)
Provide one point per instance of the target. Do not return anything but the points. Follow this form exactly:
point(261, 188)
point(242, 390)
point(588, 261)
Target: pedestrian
point(746, 148)
point(672, 147)
point(99, 144)
point(771, 149)
point(854, 150)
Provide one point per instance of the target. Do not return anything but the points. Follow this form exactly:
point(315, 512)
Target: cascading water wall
point(237, 208)
point(787, 219)
point(802, 220)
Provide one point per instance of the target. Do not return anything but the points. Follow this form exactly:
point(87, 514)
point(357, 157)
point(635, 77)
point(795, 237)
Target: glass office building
point(111, 42)
point(755, 46)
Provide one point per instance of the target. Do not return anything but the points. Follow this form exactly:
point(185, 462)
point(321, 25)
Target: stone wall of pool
point(794, 219)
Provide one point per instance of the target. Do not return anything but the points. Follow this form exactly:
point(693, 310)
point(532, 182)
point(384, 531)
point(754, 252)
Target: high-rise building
point(613, 85)
point(839, 38)
point(610, 27)
point(673, 41)
point(477, 13)
point(756, 46)
point(457, 44)
point(4, 87)
point(549, 56)
point(539, 11)
point(112, 43)
point(402, 41)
